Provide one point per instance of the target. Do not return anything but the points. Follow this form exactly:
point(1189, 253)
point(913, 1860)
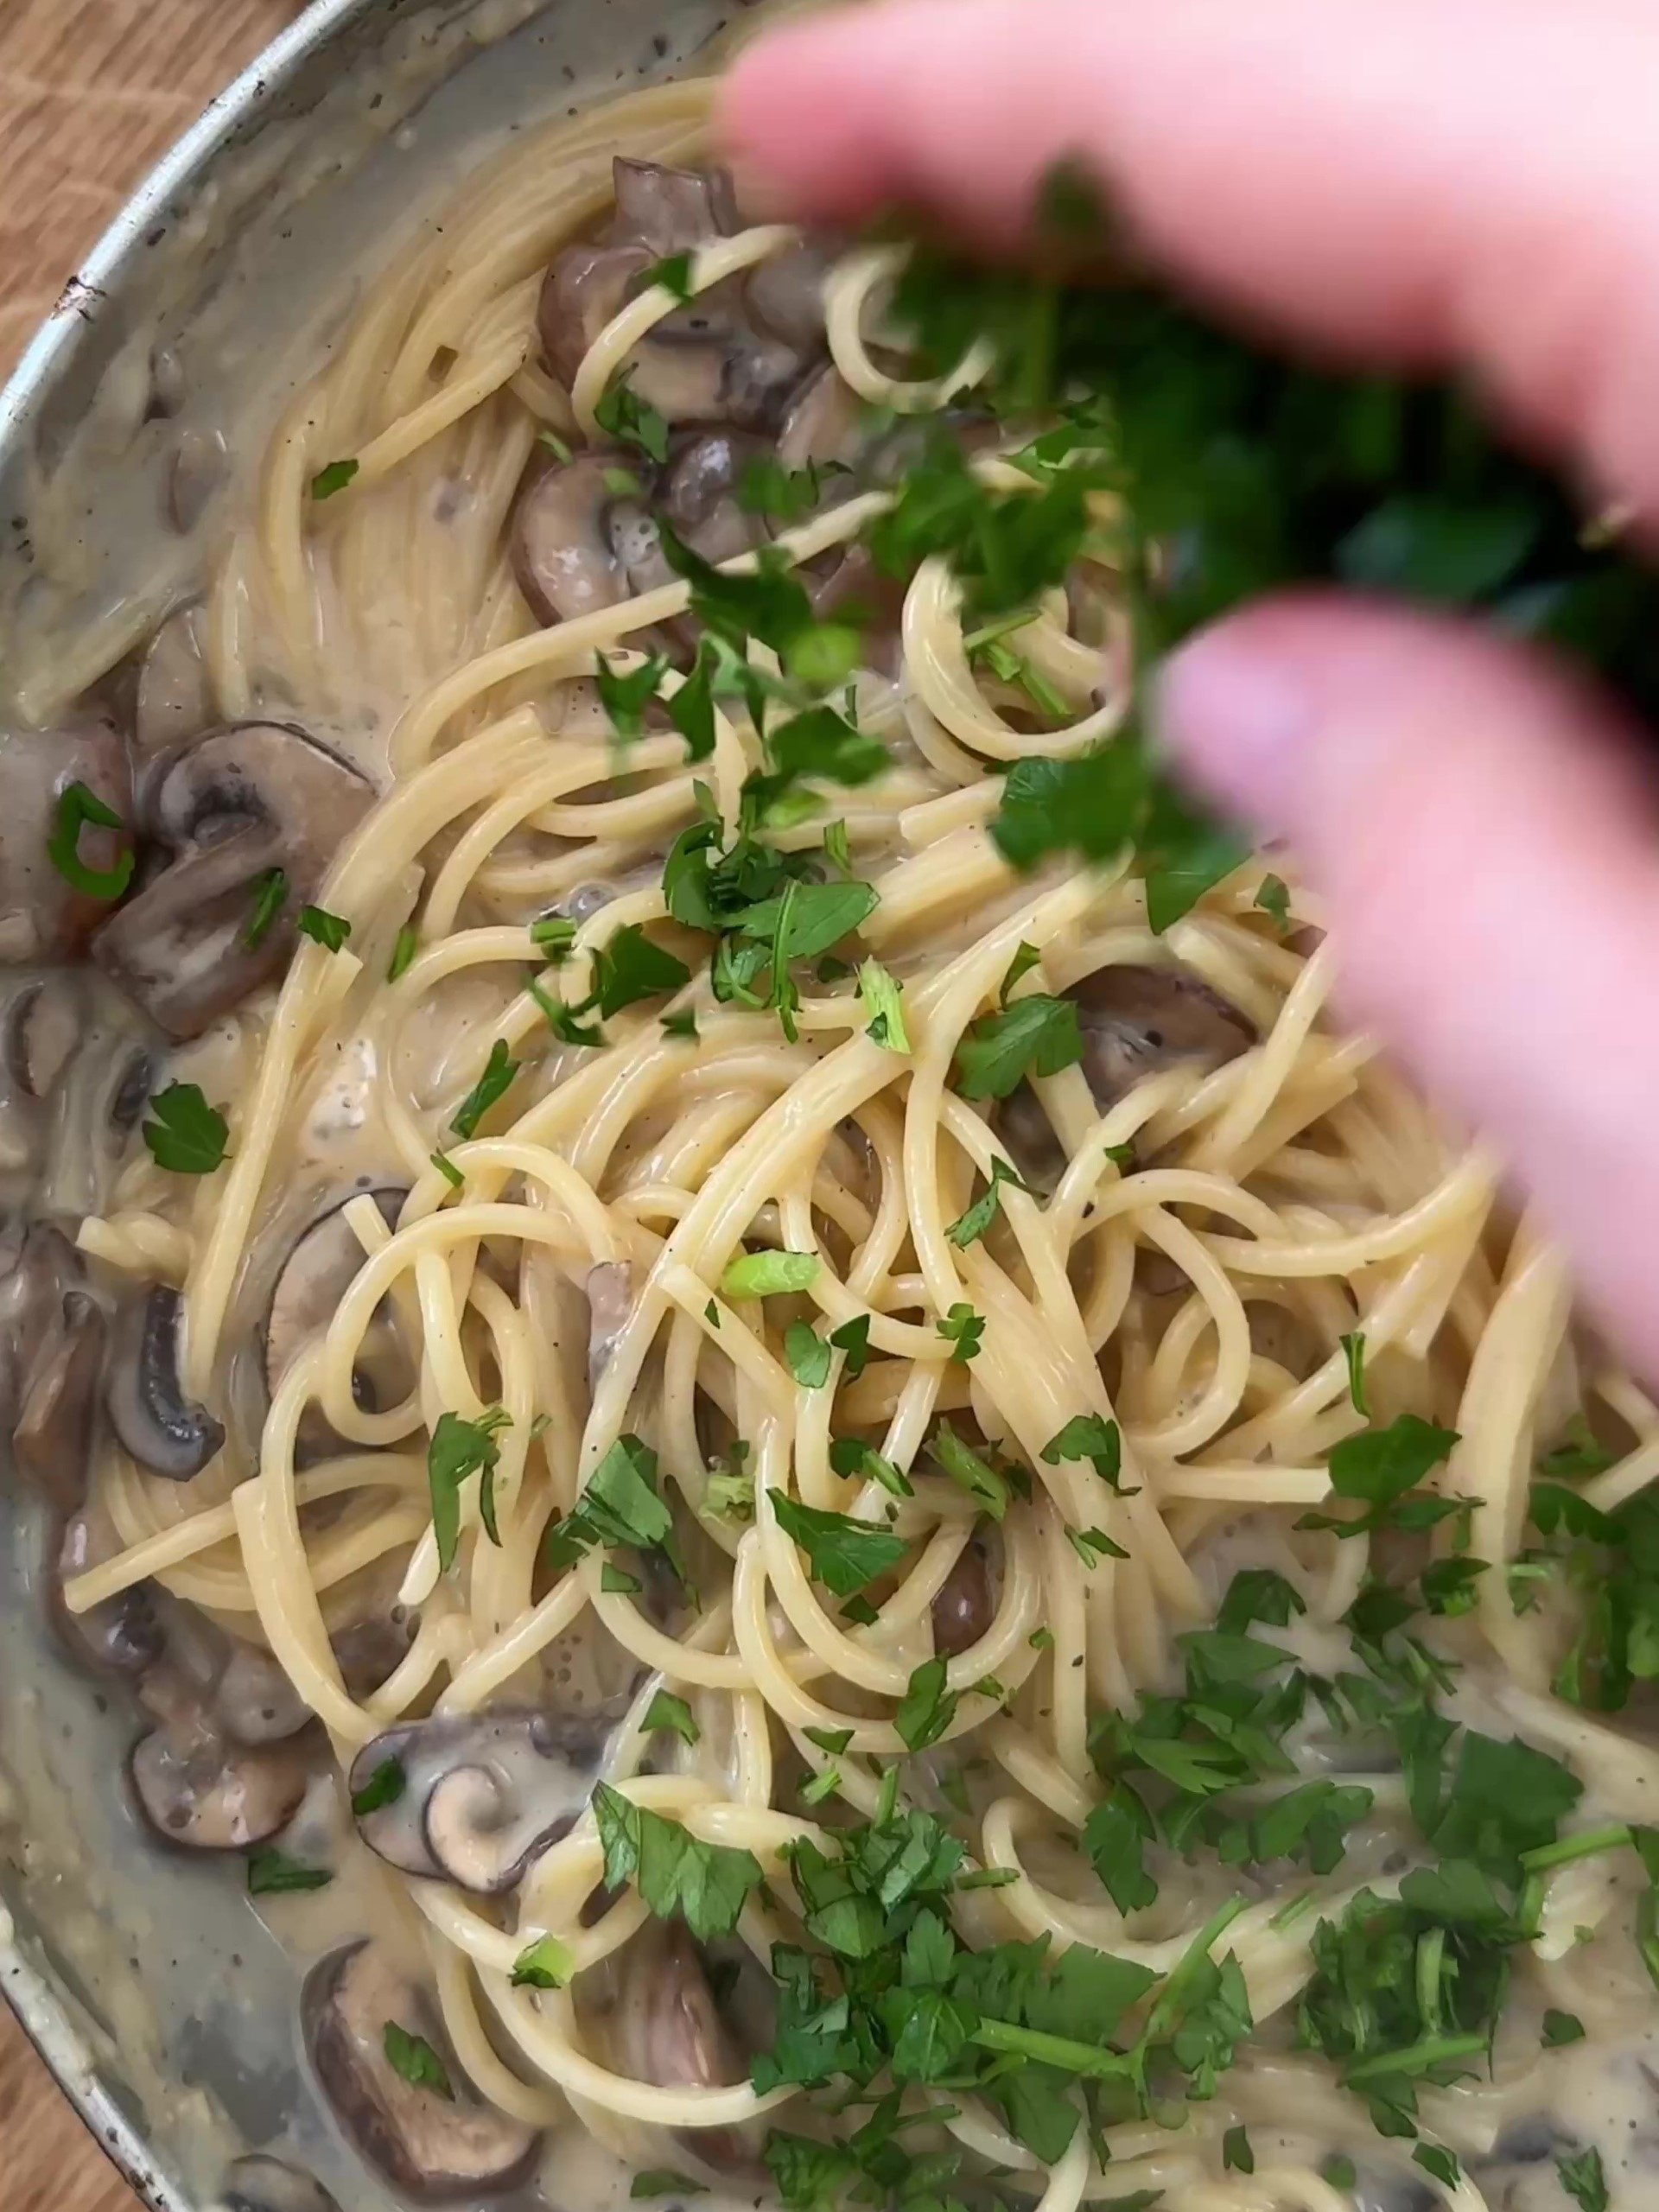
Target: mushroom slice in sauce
point(262, 2184)
point(53, 1439)
point(164, 1431)
point(563, 554)
point(42, 916)
point(610, 1305)
point(254, 1700)
point(1137, 1021)
point(315, 1277)
point(39, 1268)
point(668, 2030)
point(966, 1603)
point(201, 1791)
point(482, 1795)
point(238, 803)
point(122, 1636)
point(700, 494)
point(174, 701)
point(438, 2150)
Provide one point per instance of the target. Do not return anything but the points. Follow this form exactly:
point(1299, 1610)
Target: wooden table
point(91, 92)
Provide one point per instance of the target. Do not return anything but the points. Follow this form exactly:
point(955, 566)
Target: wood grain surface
point(91, 92)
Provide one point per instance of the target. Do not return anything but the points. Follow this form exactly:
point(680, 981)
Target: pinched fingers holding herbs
point(1460, 186)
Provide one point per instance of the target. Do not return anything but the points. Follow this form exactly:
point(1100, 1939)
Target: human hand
point(1469, 184)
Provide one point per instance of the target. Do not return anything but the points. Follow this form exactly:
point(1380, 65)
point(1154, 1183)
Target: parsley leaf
point(1584, 2179)
point(1353, 1350)
point(970, 1471)
point(272, 1873)
point(77, 805)
point(494, 1083)
point(844, 1554)
point(967, 1228)
point(769, 1274)
point(808, 1355)
point(385, 1786)
point(334, 477)
point(852, 1337)
point(1092, 1437)
point(927, 1708)
point(884, 1003)
point(544, 1964)
point(270, 895)
point(186, 1135)
point(633, 421)
point(629, 967)
point(625, 693)
point(410, 2057)
point(1036, 1035)
point(672, 1714)
point(704, 1883)
point(329, 930)
point(459, 1448)
point(963, 1330)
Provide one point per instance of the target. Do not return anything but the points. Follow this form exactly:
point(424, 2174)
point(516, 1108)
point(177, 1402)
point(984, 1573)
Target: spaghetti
point(1209, 1271)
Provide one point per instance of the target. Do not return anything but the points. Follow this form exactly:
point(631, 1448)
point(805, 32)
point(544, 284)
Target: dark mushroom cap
point(237, 804)
point(254, 1701)
point(564, 555)
point(438, 2150)
point(966, 1603)
point(262, 2184)
point(483, 1794)
point(319, 1270)
point(52, 1441)
point(42, 916)
point(164, 1431)
point(123, 1635)
point(1137, 1021)
point(39, 1268)
point(668, 2030)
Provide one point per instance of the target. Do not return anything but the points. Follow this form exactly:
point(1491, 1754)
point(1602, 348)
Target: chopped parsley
point(385, 1786)
point(77, 806)
point(884, 1003)
point(963, 1330)
point(460, 1449)
point(769, 1274)
point(633, 421)
point(333, 477)
point(544, 1964)
point(706, 1884)
point(269, 896)
point(1273, 897)
point(403, 951)
point(329, 930)
point(272, 1873)
point(1035, 1035)
point(673, 1715)
point(185, 1133)
point(1353, 1350)
point(410, 2057)
point(808, 1355)
point(844, 1554)
point(967, 1228)
point(493, 1085)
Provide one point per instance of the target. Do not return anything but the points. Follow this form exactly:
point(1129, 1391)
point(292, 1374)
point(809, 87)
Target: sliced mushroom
point(40, 1017)
point(700, 494)
point(255, 1702)
point(42, 916)
point(438, 2149)
point(482, 1795)
point(53, 1440)
point(39, 1268)
point(176, 693)
point(824, 424)
point(201, 466)
point(1139, 1020)
point(247, 799)
point(313, 1280)
point(261, 2184)
point(202, 1792)
point(668, 2031)
point(122, 1636)
point(966, 1603)
point(563, 554)
point(785, 294)
point(669, 210)
point(610, 1306)
point(164, 1431)
point(93, 1112)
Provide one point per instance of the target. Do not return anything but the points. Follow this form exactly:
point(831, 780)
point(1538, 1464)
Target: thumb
point(1483, 829)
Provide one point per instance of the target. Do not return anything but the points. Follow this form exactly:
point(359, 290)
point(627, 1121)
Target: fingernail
point(1237, 717)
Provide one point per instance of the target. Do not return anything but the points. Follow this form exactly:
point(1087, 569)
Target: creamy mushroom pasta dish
point(708, 1314)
